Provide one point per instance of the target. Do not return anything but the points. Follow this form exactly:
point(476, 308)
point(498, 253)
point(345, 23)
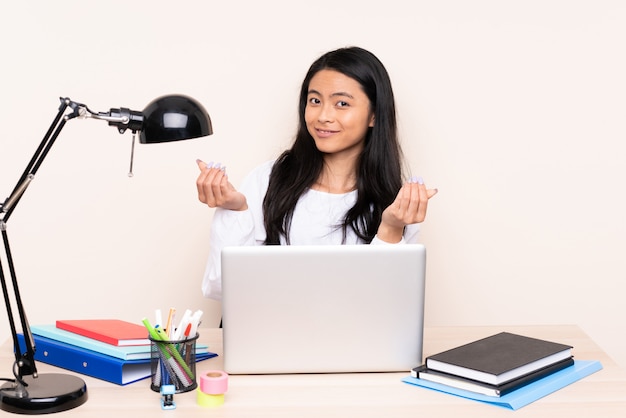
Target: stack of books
point(109, 349)
point(501, 368)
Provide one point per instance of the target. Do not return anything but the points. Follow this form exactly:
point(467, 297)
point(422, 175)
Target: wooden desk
point(380, 395)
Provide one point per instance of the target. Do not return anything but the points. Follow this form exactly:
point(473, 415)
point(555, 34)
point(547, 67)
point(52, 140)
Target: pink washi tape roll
point(214, 382)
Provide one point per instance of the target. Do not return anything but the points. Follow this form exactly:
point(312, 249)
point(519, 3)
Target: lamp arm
point(24, 361)
point(35, 162)
point(122, 119)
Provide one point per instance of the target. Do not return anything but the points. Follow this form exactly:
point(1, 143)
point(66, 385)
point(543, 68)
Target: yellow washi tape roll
point(214, 382)
point(208, 401)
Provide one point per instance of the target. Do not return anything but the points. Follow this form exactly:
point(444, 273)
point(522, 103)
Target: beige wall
point(513, 109)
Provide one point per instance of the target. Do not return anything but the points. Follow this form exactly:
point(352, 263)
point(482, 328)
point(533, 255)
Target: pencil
point(170, 320)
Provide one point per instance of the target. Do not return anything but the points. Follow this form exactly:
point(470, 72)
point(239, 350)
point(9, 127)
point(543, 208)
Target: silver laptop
point(323, 309)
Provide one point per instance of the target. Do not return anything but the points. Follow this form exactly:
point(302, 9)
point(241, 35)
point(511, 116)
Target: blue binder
point(92, 363)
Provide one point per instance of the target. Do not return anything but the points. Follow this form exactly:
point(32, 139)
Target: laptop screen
point(323, 309)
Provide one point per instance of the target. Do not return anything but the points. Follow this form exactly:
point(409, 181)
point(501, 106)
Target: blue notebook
point(526, 394)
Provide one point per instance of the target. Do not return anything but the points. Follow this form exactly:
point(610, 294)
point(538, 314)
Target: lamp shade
point(172, 118)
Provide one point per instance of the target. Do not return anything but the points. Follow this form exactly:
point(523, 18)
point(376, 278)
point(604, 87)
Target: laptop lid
point(322, 309)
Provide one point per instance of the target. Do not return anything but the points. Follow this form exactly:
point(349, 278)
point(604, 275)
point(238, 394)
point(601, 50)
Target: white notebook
point(323, 309)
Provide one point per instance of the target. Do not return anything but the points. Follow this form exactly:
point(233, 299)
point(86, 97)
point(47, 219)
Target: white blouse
point(314, 223)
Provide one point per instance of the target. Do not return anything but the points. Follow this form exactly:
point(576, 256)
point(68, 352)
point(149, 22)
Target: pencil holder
point(173, 363)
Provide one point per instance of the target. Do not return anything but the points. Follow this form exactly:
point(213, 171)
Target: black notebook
point(422, 372)
point(499, 358)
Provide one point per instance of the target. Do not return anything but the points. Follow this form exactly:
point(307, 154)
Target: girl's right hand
point(215, 190)
point(408, 208)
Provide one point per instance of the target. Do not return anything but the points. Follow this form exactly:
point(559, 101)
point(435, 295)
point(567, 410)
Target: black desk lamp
point(168, 118)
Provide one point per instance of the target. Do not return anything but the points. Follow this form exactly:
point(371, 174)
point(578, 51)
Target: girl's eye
point(314, 100)
point(342, 104)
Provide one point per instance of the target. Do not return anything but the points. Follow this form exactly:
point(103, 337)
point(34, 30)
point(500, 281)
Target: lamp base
point(48, 393)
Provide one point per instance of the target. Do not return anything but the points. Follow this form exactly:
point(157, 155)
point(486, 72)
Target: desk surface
point(602, 394)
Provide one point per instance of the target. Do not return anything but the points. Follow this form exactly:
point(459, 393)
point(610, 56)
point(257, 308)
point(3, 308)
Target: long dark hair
point(379, 169)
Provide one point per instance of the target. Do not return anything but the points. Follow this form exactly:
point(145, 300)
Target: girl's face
point(338, 113)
